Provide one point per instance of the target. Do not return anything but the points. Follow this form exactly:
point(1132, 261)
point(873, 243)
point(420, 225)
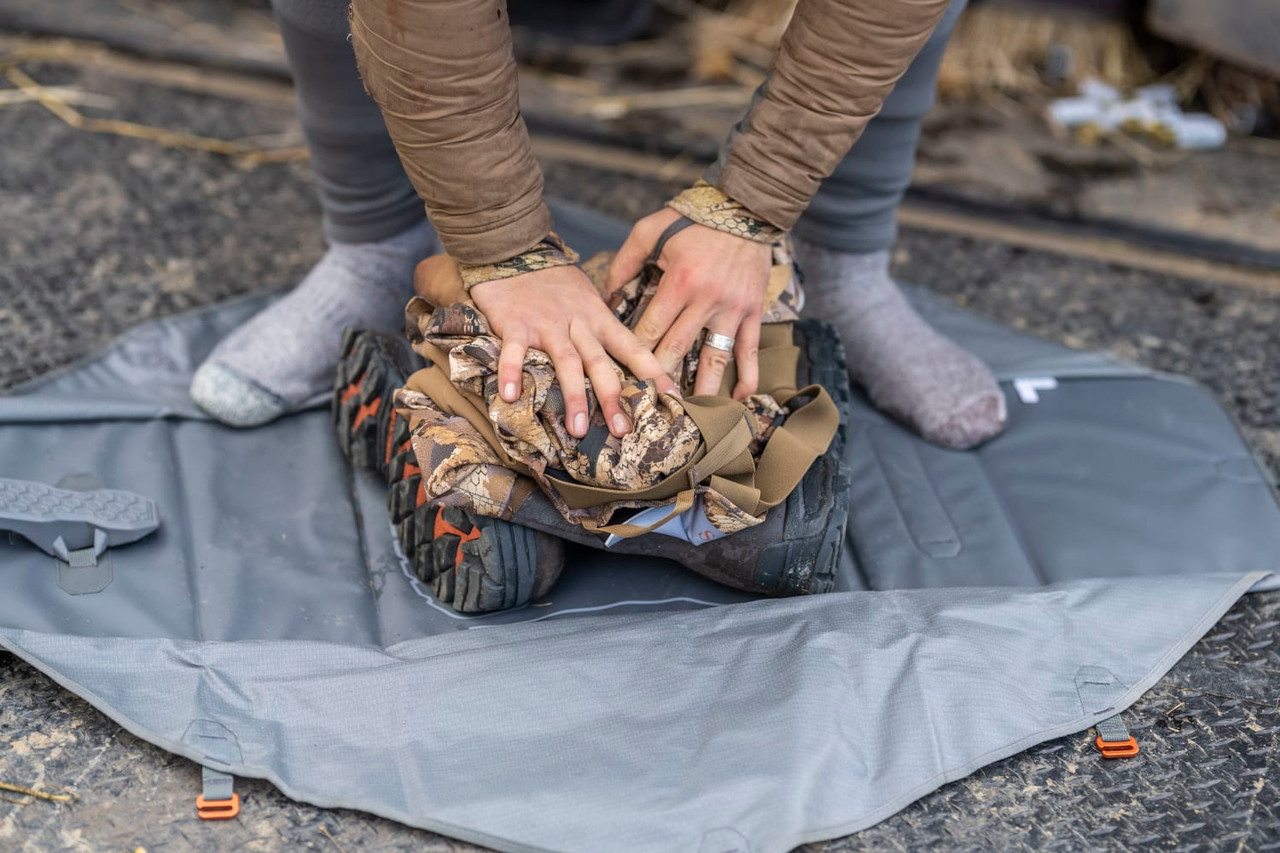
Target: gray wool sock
point(286, 355)
point(909, 370)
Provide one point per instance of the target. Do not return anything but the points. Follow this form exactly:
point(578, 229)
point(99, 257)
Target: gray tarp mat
point(271, 606)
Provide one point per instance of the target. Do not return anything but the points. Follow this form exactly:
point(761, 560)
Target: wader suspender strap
point(671, 230)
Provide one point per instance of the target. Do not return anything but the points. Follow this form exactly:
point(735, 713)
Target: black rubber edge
point(807, 561)
point(498, 569)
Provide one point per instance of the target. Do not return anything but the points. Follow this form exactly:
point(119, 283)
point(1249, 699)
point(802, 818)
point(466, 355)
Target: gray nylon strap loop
point(1100, 691)
point(1112, 729)
point(82, 559)
point(217, 785)
point(672, 230)
point(219, 745)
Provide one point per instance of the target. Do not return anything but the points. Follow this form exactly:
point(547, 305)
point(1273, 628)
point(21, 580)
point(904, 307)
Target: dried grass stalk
point(1004, 48)
point(245, 156)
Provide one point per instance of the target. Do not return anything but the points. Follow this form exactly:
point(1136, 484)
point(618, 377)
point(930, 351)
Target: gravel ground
point(101, 233)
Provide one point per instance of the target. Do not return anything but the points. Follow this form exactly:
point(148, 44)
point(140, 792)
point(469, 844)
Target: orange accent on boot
point(443, 527)
point(391, 436)
point(411, 469)
point(352, 389)
point(422, 497)
point(458, 555)
point(369, 410)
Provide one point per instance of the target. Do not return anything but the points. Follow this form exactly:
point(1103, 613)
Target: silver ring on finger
point(724, 343)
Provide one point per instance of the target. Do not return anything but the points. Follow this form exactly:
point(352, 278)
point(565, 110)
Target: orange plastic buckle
point(1117, 748)
point(218, 809)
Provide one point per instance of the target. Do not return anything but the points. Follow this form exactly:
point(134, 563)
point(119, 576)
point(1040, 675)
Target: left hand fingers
point(714, 360)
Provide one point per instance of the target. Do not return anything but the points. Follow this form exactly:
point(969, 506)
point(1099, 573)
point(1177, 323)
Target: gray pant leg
point(855, 209)
point(364, 192)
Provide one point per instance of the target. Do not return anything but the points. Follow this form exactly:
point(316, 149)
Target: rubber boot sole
point(472, 563)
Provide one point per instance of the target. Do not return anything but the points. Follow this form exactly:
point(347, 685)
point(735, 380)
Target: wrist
point(548, 253)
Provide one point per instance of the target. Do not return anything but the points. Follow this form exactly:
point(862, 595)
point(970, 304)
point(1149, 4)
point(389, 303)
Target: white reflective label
point(1029, 387)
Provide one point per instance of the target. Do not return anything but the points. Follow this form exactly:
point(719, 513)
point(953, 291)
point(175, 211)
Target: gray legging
point(366, 196)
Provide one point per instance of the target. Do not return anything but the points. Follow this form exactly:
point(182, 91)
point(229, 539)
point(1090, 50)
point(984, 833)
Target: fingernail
point(580, 424)
point(621, 425)
point(509, 392)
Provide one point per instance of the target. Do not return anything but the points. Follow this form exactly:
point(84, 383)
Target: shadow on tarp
point(1116, 520)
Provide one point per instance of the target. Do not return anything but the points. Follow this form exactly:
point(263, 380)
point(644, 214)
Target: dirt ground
point(101, 232)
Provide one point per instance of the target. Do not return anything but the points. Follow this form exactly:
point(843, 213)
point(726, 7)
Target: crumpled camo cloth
point(461, 468)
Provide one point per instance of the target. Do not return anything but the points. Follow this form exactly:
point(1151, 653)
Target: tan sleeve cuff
point(550, 252)
point(710, 206)
point(774, 202)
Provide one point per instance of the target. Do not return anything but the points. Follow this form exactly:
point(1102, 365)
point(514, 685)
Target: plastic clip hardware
point(75, 527)
point(218, 809)
point(1117, 748)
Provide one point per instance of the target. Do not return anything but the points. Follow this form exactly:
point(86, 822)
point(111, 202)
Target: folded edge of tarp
point(486, 769)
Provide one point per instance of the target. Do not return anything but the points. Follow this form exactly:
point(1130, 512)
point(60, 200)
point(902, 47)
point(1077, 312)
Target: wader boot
point(476, 563)
point(472, 563)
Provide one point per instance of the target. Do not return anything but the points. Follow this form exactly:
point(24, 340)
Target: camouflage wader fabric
point(483, 454)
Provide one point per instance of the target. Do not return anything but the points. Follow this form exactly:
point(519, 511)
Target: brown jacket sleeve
point(837, 62)
point(443, 73)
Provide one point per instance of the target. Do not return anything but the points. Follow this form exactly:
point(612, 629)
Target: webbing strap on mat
point(217, 785)
point(1097, 688)
point(1112, 729)
point(218, 799)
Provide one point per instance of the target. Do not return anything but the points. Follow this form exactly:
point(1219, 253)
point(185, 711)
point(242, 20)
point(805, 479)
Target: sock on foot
point(910, 371)
point(286, 355)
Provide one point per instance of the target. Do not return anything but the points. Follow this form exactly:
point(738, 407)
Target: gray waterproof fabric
point(269, 628)
point(756, 727)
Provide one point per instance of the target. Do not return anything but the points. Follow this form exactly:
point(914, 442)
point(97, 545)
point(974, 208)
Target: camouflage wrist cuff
point(707, 205)
point(551, 252)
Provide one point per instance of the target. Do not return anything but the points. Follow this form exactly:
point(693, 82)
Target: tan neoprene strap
point(726, 435)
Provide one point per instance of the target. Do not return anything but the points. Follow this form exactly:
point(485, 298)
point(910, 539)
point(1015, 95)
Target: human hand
point(558, 311)
point(711, 280)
